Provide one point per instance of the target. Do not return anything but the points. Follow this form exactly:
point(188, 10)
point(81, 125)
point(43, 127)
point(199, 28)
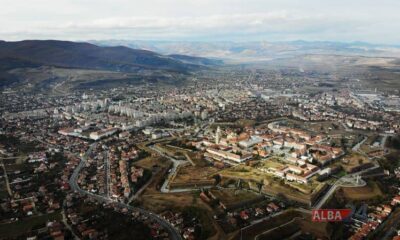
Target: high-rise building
point(218, 135)
point(204, 115)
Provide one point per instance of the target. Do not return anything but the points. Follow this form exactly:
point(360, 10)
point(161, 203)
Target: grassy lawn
point(340, 174)
point(322, 230)
point(198, 159)
point(368, 192)
point(353, 160)
point(281, 232)
point(281, 227)
point(15, 229)
point(273, 185)
point(306, 188)
point(188, 174)
point(151, 161)
point(243, 172)
point(256, 229)
point(234, 196)
point(272, 162)
point(325, 127)
point(367, 145)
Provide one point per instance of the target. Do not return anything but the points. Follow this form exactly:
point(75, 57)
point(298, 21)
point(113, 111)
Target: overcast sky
point(376, 21)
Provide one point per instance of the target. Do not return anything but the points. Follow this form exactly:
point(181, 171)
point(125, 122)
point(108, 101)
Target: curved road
point(345, 181)
point(175, 165)
point(173, 233)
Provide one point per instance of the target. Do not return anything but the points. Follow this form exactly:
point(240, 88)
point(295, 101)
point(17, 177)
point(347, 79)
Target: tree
point(217, 178)
point(343, 142)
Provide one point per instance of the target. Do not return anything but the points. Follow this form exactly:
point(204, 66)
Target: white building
point(251, 142)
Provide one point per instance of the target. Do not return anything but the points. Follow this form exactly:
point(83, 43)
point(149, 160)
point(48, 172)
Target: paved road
point(345, 181)
point(306, 211)
point(346, 127)
point(173, 233)
point(358, 145)
point(137, 194)
point(64, 219)
point(6, 178)
point(201, 129)
point(108, 173)
point(175, 164)
point(384, 139)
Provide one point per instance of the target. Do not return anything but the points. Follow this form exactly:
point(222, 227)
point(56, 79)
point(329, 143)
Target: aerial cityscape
point(241, 120)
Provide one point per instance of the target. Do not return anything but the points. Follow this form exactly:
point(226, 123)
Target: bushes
point(199, 218)
point(393, 142)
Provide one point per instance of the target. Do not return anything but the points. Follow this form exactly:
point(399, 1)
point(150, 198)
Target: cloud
point(201, 20)
point(277, 21)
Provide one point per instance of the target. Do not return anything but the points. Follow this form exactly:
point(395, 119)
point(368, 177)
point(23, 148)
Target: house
point(244, 215)
point(272, 207)
point(259, 212)
point(396, 200)
point(204, 197)
point(387, 209)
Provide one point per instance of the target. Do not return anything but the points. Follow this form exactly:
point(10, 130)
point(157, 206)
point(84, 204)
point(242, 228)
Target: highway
point(173, 233)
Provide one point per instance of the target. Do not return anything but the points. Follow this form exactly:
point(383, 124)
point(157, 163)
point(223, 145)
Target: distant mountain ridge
point(259, 50)
point(48, 64)
point(196, 60)
point(87, 56)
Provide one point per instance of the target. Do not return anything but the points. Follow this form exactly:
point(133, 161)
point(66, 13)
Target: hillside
point(48, 63)
point(87, 56)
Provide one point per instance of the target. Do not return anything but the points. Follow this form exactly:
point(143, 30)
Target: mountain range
point(259, 50)
point(61, 65)
point(90, 56)
point(30, 54)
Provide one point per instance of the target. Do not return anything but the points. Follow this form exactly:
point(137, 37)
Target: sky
point(202, 20)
